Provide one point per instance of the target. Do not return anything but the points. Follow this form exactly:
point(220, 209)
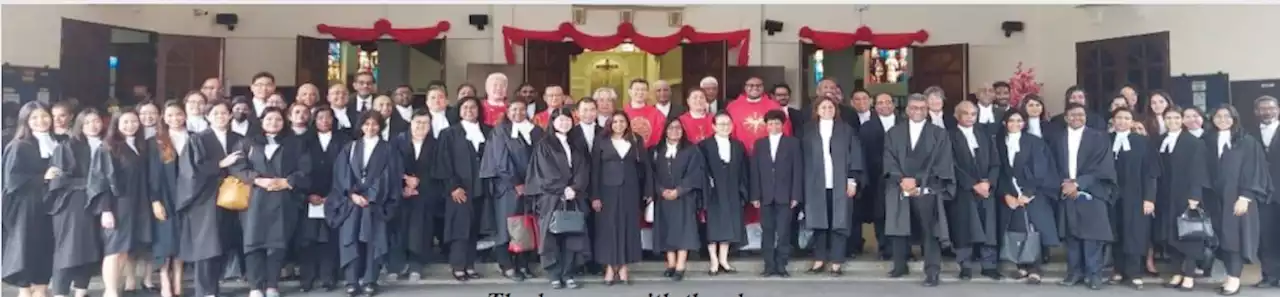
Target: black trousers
point(1186, 264)
point(508, 260)
point(208, 273)
point(262, 268)
point(829, 245)
point(985, 257)
point(462, 255)
point(365, 269)
point(562, 269)
point(319, 263)
point(928, 243)
point(1085, 258)
point(775, 243)
point(1128, 265)
point(72, 278)
point(1233, 262)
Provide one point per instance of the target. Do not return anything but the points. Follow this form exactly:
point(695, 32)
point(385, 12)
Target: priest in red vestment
point(698, 123)
point(646, 120)
point(494, 107)
point(748, 114)
point(554, 97)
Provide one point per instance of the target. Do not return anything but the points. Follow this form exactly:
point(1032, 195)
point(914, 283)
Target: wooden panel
point(478, 72)
point(702, 60)
point(136, 67)
point(1104, 66)
point(546, 63)
point(736, 77)
point(946, 66)
point(184, 62)
point(313, 62)
point(86, 74)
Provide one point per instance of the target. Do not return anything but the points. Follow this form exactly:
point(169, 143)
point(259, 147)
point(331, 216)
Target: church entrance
point(583, 71)
point(615, 68)
point(326, 61)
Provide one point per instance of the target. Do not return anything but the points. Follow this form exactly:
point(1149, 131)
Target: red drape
point(627, 32)
point(831, 40)
point(383, 27)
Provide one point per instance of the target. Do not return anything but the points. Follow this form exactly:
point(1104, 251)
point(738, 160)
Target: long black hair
point(683, 143)
point(23, 131)
point(116, 142)
point(77, 129)
point(1236, 132)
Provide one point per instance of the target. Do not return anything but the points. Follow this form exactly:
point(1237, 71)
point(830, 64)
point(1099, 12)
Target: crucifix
point(607, 65)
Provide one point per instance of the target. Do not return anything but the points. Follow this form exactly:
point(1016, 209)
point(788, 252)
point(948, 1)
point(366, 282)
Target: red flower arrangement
point(1023, 83)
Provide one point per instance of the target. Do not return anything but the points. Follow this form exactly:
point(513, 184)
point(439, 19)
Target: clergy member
point(748, 114)
point(646, 120)
point(697, 123)
point(919, 175)
point(494, 106)
point(1087, 165)
point(554, 98)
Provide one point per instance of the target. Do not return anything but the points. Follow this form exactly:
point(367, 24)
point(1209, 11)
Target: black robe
point(75, 217)
point(619, 182)
point(1241, 171)
point(459, 168)
point(1268, 214)
point(162, 179)
point(551, 171)
point(415, 215)
point(846, 163)
point(379, 180)
point(124, 182)
point(973, 218)
point(1083, 218)
point(1137, 170)
point(272, 216)
point(675, 222)
point(871, 135)
point(503, 167)
point(1037, 177)
point(1182, 176)
point(932, 164)
point(316, 231)
point(203, 233)
point(727, 192)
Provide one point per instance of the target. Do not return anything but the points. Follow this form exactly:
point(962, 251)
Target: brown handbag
point(233, 194)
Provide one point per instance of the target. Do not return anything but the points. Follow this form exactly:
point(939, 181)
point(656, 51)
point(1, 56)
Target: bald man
point(662, 101)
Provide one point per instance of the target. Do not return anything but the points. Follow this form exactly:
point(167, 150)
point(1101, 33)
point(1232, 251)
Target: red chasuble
point(492, 113)
point(647, 122)
point(748, 120)
point(543, 119)
point(697, 129)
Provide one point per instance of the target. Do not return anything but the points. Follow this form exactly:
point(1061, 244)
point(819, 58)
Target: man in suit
point(365, 92)
point(776, 189)
point(711, 87)
point(872, 135)
point(662, 101)
point(403, 97)
point(782, 93)
point(861, 103)
point(263, 85)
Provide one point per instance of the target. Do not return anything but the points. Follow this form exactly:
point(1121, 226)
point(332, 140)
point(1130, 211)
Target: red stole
point(492, 113)
point(647, 122)
point(697, 129)
point(748, 120)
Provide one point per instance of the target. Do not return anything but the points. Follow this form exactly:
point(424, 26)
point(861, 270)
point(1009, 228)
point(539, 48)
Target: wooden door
point(1104, 66)
point(136, 66)
point(703, 60)
point(547, 63)
point(85, 72)
point(313, 62)
point(184, 62)
point(946, 66)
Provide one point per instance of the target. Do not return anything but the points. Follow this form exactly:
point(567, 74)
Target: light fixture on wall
point(479, 20)
point(1010, 27)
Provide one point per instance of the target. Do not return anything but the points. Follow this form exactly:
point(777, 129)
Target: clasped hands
point(272, 184)
point(411, 186)
point(910, 187)
point(1070, 189)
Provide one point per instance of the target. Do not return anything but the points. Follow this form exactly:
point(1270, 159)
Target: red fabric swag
point(626, 32)
point(383, 27)
point(831, 40)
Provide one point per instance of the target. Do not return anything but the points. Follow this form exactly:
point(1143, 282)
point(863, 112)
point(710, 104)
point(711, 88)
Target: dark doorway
point(705, 59)
point(1104, 66)
point(946, 66)
point(185, 62)
point(86, 63)
point(323, 62)
point(1243, 93)
point(545, 63)
point(133, 73)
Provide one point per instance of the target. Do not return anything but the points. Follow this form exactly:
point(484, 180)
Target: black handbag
point(1021, 247)
point(565, 220)
point(1194, 225)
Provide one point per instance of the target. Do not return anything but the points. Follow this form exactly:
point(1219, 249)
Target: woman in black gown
point(678, 178)
point(619, 189)
point(64, 114)
point(726, 163)
point(367, 183)
point(126, 209)
point(558, 176)
point(503, 166)
point(1240, 181)
point(1136, 173)
point(462, 146)
point(274, 169)
point(75, 221)
point(28, 229)
point(1181, 185)
point(1028, 181)
point(171, 144)
point(200, 173)
point(316, 242)
point(424, 194)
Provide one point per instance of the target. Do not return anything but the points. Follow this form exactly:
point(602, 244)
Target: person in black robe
point(1088, 170)
point(503, 166)
point(1182, 179)
point(619, 190)
point(919, 173)
point(558, 175)
point(973, 210)
point(1240, 181)
point(315, 241)
point(75, 223)
point(776, 180)
point(64, 115)
point(119, 176)
point(392, 124)
point(279, 179)
point(1267, 110)
point(1027, 172)
point(459, 166)
point(28, 235)
point(872, 134)
point(414, 226)
point(1137, 170)
point(203, 238)
point(162, 177)
point(727, 166)
point(367, 185)
point(833, 168)
point(582, 137)
point(1093, 120)
point(679, 177)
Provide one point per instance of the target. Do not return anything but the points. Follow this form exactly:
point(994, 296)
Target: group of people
point(365, 182)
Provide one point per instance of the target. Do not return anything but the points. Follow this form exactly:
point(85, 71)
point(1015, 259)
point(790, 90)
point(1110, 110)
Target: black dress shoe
point(1094, 284)
point(898, 273)
point(1071, 280)
point(608, 283)
point(930, 281)
point(766, 273)
point(513, 275)
point(677, 276)
point(669, 272)
point(328, 287)
point(528, 273)
point(730, 270)
point(353, 290)
point(783, 274)
point(371, 290)
point(992, 274)
point(837, 273)
point(1267, 283)
point(965, 274)
point(474, 275)
point(306, 288)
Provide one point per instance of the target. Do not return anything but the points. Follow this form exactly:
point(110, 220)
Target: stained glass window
point(339, 53)
point(335, 62)
point(817, 66)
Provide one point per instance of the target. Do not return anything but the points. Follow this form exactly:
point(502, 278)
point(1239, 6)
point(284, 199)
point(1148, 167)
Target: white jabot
point(1170, 140)
point(523, 129)
point(664, 108)
point(94, 142)
point(417, 148)
point(969, 139)
point(340, 114)
point(131, 143)
point(1197, 132)
point(197, 124)
point(269, 150)
point(149, 132)
point(324, 138)
point(473, 133)
point(937, 119)
point(45, 142)
point(888, 121)
point(438, 122)
point(825, 129)
point(1268, 132)
point(406, 112)
point(1074, 138)
point(222, 139)
point(1033, 127)
point(864, 116)
point(241, 127)
point(369, 145)
point(986, 114)
point(672, 149)
point(259, 105)
point(1224, 142)
point(179, 141)
point(774, 139)
point(621, 145)
point(914, 130)
point(568, 151)
point(386, 129)
point(588, 133)
point(1013, 144)
point(724, 149)
point(1121, 143)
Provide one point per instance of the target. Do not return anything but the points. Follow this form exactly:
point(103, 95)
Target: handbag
point(565, 220)
point(1194, 225)
point(1021, 247)
point(233, 194)
point(523, 229)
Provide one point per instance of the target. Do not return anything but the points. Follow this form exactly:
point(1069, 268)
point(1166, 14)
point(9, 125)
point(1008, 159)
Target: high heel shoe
point(460, 276)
